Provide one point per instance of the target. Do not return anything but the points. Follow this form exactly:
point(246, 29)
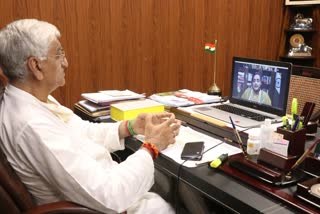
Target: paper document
point(92, 107)
point(184, 97)
point(187, 134)
point(111, 96)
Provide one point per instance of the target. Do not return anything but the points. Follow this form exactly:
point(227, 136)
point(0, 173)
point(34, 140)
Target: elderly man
point(57, 155)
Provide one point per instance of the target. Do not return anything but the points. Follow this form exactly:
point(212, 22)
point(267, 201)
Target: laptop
point(259, 90)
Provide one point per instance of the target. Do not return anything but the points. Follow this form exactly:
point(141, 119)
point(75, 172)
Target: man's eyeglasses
point(61, 55)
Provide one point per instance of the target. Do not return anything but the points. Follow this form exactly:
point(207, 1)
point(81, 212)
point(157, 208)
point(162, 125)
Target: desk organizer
point(276, 160)
point(312, 165)
point(284, 193)
point(297, 140)
point(312, 127)
point(272, 176)
point(309, 191)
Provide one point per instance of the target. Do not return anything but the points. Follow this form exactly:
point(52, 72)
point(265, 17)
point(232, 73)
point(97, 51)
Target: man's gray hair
point(22, 39)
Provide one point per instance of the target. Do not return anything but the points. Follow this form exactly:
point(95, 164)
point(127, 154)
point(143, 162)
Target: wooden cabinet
point(297, 35)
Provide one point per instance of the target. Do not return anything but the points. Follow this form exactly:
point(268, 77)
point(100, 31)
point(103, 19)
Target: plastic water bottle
point(266, 134)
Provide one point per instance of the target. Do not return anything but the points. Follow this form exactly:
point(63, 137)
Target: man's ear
point(34, 66)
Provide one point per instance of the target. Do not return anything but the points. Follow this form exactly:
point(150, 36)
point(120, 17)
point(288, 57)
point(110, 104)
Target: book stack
point(91, 111)
point(130, 109)
point(96, 106)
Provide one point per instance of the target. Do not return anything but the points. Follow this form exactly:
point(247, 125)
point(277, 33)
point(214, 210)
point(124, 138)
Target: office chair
point(15, 198)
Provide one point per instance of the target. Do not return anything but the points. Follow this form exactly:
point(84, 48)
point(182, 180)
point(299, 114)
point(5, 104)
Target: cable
point(213, 147)
point(177, 189)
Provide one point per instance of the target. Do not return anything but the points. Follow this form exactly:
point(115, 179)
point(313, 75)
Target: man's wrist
point(130, 128)
point(126, 128)
point(153, 150)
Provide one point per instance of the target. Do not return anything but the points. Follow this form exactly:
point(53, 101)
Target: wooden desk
point(231, 194)
point(234, 195)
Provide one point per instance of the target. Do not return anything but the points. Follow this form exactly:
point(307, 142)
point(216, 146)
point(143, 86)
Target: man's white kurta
point(71, 160)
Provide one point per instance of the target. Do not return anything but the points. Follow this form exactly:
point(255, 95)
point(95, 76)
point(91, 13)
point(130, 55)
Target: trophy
point(301, 23)
point(214, 89)
point(298, 47)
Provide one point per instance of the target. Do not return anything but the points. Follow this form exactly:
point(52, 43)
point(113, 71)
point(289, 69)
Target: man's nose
point(65, 63)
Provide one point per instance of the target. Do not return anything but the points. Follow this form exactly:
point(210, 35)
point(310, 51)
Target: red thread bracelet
point(152, 148)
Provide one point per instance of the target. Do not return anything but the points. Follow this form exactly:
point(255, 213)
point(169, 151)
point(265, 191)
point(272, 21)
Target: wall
point(153, 45)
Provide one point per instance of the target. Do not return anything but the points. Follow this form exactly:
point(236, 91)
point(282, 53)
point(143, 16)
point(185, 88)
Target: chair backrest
point(3, 82)
point(14, 196)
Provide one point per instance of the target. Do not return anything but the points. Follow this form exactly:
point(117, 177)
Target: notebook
point(258, 88)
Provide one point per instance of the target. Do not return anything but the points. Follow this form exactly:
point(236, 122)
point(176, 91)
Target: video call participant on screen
point(255, 93)
point(56, 154)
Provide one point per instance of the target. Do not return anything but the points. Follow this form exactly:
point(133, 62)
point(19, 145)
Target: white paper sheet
point(187, 134)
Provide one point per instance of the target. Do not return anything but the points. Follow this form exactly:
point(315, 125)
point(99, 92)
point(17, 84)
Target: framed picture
point(301, 2)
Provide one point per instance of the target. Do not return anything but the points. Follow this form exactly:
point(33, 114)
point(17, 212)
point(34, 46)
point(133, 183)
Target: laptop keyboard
point(242, 112)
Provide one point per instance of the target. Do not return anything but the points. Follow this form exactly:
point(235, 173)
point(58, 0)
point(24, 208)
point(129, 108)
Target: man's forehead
point(55, 45)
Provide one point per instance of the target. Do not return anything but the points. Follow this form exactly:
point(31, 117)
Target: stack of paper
point(130, 109)
point(184, 97)
point(109, 96)
point(91, 111)
point(96, 107)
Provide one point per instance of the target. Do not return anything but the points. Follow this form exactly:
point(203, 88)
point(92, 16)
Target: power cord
point(177, 189)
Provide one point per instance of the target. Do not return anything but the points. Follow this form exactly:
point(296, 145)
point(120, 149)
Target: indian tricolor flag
point(210, 47)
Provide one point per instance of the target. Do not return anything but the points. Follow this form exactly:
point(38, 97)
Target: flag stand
point(214, 89)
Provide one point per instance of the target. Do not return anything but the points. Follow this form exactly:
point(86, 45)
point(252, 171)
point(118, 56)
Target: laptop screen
point(261, 84)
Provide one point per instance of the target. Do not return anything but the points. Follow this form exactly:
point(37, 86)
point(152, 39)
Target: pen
point(295, 125)
point(216, 162)
point(235, 131)
point(284, 121)
point(294, 108)
point(288, 125)
point(304, 155)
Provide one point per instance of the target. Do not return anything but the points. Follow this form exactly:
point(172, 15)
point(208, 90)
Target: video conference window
point(258, 83)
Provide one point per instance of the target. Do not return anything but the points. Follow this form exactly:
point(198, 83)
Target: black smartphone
point(192, 151)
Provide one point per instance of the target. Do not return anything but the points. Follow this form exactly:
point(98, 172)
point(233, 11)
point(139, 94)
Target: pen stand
point(296, 140)
point(312, 165)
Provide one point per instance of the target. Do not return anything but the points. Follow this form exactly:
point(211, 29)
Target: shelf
point(300, 30)
point(298, 57)
point(310, 35)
